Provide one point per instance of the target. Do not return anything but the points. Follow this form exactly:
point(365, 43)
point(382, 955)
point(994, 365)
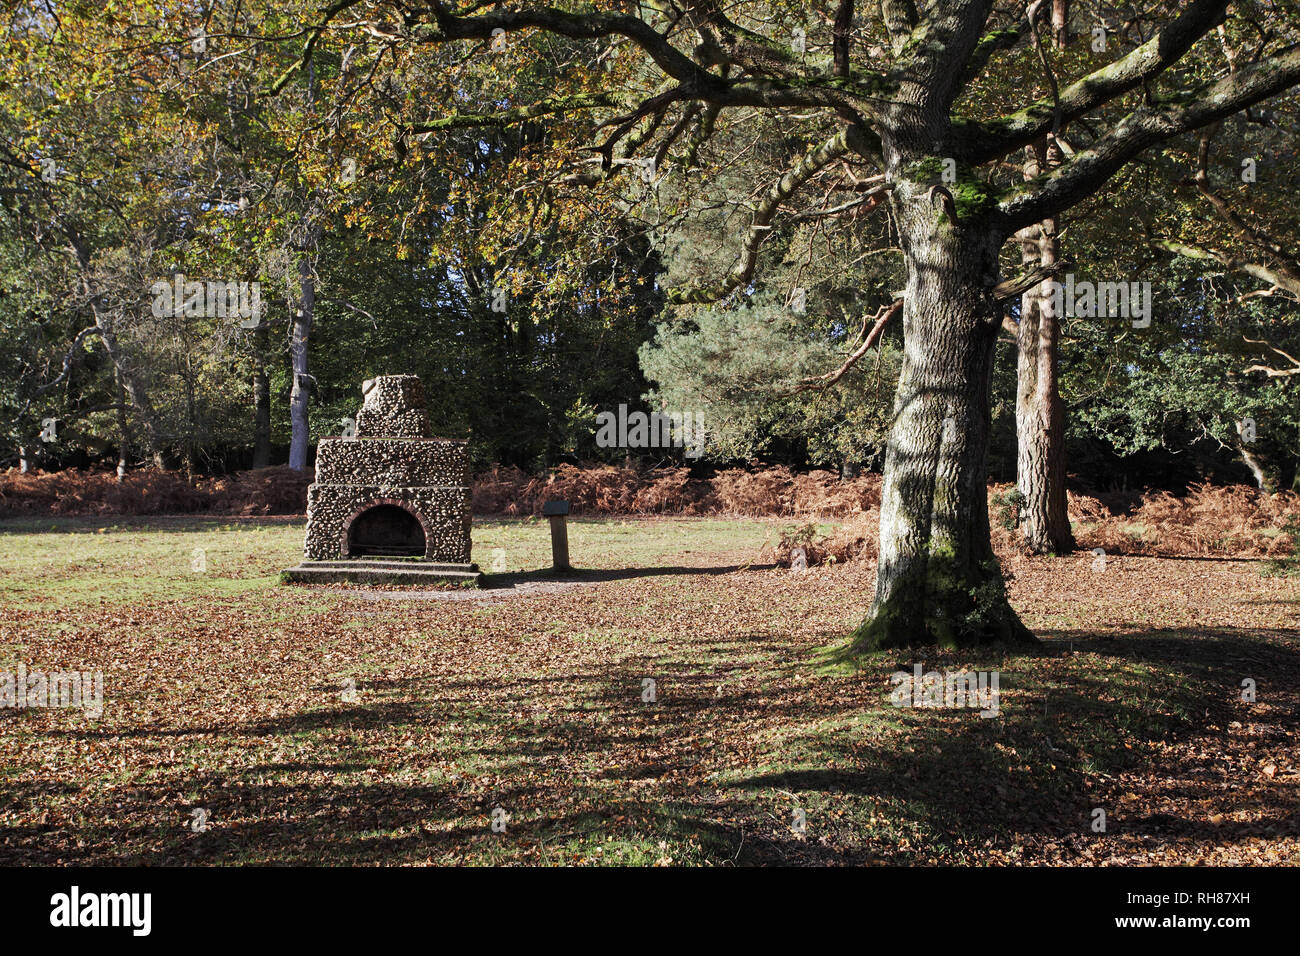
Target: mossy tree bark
point(937, 580)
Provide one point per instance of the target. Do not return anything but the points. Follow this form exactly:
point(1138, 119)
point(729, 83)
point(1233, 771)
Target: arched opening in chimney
point(386, 530)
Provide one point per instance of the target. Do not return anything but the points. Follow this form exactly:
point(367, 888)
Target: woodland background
point(139, 142)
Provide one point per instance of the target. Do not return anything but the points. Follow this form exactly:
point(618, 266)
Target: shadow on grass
point(512, 579)
point(1033, 773)
point(737, 736)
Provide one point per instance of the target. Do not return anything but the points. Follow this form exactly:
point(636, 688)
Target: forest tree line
point(155, 143)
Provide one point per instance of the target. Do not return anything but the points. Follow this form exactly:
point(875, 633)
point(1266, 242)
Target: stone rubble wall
point(391, 461)
point(405, 462)
point(393, 408)
point(444, 513)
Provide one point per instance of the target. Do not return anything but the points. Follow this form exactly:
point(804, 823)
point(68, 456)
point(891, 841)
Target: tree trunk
point(1040, 414)
point(1061, 23)
point(300, 431)
point(1256, 470)
point(937, 580)
point(261, 403)
point(299, 425)
point(123, 427)
point(135, 391)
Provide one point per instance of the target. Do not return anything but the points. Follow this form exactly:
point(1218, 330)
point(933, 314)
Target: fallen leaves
point(232, 703)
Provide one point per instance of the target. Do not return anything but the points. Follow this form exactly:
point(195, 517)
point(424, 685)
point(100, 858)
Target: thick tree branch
point(900, 19)
point(1285, 279)
point(1092, 167)
point(725, 42)
point(806, 90)
point(812, 163)
point(508, 117)
point(1018, 285)
point(943, 43)
point(983, 142)
point(993, 42)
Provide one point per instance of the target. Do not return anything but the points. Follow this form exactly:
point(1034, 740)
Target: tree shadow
point(1036, 776)
point(736, 734)
point(512, 579)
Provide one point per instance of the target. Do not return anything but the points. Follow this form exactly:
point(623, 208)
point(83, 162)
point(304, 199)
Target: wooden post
point(557, 512)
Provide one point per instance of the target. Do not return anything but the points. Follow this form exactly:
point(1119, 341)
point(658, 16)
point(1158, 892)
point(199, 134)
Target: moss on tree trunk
point(938, 581)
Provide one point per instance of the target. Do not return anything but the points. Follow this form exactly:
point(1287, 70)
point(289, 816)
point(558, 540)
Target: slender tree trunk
point(23, 465)
point(135, 391)
point(937, 580)
point(1256, 470)
point(1040, 414)
point(1061, 23)
point(300, 394)
point(123, 427)
point(300, 430)
point(261, 403)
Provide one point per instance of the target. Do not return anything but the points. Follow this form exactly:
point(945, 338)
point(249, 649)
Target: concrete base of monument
point(377, 571)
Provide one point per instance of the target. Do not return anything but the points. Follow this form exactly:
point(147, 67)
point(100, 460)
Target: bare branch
point(814, 162)
point(1274, 372)
point(1008, 289)
point(882, 318)
point(807, 89)
point(1278, 278)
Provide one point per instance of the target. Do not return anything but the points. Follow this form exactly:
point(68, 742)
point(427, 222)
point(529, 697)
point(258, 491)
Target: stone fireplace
point(390, 504)
point(385, 528)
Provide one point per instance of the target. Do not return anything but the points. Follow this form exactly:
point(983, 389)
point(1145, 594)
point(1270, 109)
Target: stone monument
point(390, 505)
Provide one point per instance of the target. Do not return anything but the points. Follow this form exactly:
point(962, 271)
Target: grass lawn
point(231, 694)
